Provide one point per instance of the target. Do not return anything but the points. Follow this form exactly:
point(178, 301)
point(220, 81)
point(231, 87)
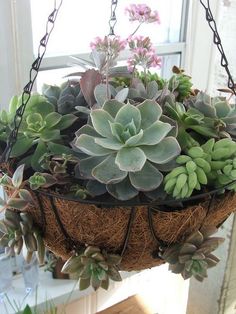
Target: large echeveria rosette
point(125, 144)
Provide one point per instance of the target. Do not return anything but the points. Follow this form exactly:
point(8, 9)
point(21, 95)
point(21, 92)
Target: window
point(78, 23)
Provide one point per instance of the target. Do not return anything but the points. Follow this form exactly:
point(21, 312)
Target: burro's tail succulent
point(193, 257)
point(125, 145)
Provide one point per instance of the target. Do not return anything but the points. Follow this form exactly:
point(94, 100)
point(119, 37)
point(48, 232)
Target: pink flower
point(145, 58)
point(142, 13)
point(139, 42)
point(111, 46)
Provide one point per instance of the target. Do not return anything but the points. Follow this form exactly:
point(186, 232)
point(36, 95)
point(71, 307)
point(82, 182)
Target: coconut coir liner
point(107, 227)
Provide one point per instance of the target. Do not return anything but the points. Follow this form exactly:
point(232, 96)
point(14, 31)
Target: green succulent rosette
point(124, 146)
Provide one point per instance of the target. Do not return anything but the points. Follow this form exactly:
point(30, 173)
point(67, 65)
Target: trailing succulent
point(94, 267)
point(194, 256)
point(18, 232)
point(124, 146)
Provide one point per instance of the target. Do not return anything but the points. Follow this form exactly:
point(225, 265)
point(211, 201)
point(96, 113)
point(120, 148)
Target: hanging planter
point(121, 169)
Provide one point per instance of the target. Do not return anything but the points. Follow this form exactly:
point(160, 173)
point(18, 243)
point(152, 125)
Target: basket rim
point(117, 203)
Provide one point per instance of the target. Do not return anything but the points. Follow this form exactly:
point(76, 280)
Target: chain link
point(217, 41)
point(27, 90)
point(113, 19)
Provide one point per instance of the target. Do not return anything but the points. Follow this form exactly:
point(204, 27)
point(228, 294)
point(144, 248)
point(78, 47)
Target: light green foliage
point(193, 257)
point(190, 176)
point(17, 230)
point(94, 267)
point(125, 144)
point(180, 84)
point(40, 128)
point(217, 109)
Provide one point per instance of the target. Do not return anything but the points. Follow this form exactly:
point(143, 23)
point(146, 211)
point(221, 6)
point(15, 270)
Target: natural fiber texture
point(106, 228)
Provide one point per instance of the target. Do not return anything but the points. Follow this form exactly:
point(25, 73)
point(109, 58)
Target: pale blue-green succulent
point(218, 109)
point(125, 146)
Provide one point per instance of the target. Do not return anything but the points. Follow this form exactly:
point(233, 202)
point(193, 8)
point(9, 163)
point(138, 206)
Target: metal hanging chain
point(217, 41)
point(113, 19)
point(27, 90)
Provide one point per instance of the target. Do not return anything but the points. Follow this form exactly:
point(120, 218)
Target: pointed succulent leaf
point(188, 248)
point(112, 107)
point(114, 175)
point(128, 113)
point(89, 80)
point(130, 159)
point(100, 119)
point(84, 283)
point(113, 259)
point(100, 93)
point(222, 109)
point(86, 144)
point(114, 274)
point(105, 284)
point(95, 188)
point(122, 95)
point(88, 130)
point(52, 119)
point(133, 140)
point(18, 176)
point(148, 179)
point(123, 190)
point(176, 268)
point(66, 121)
point(71, 265)
point(22, 145)
point(185, 258)
point(195, 238)
point(25, 195)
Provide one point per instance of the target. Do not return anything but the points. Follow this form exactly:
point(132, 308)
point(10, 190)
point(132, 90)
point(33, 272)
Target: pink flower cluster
point(143, 53)
point(110, 46)
point(142, 13)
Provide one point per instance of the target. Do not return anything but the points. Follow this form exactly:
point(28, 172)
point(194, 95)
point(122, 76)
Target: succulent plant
point(222, 156)
point(17, 196)
point(194, 256)
point(180, 84)
point(219, 110)
point(125, 144)
point(18, 230)
point(41, 128)
point(94, 267)
point(183, 180)
point(66, 97)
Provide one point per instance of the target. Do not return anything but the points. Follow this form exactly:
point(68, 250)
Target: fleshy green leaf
point(18, 176)
point(155, 133)
point(39, 152)
point(130, 159)
point(100, 120)
point(132, 141)
point(163, 152)
point(149, 178)
point(109, 143)
point(108, 172)
point(150, 113)
point(112, 107)
point(52, 119)
point(128, 113)
point(123, 190)
point(22, 145)
point(86, 144)
point(50, 135)
point(86, 166)
point(66, 121)
point(17, 203)
point(25, 195)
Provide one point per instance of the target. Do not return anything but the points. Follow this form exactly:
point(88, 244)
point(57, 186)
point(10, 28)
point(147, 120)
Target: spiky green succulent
point(94, 267)
point(18, 230)
point(65, 97)
point(194, 256)
point(125, 145)
point(190, 176)
point(219, 110)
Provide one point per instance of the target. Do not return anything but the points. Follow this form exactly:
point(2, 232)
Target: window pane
point(57, 76)
point(80, 21)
